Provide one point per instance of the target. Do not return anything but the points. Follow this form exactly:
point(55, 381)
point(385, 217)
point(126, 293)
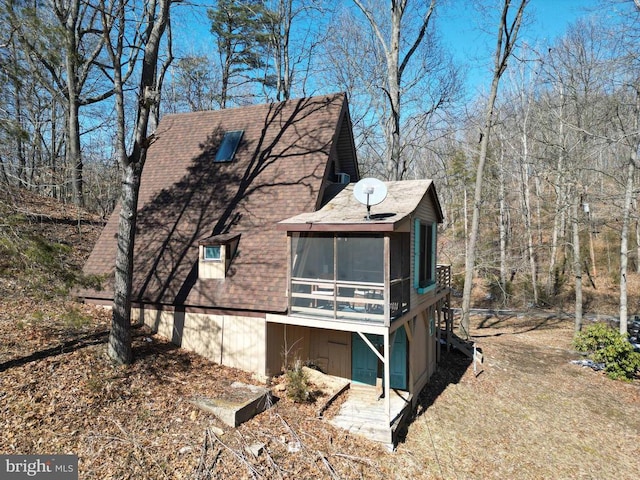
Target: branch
point(374, 25)
point(509, 33)
point(423, 30)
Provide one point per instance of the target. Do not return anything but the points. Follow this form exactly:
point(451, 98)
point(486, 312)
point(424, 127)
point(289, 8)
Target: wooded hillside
point(559, 208)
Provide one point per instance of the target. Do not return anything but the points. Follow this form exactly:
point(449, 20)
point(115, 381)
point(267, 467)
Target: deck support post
point(387, 377)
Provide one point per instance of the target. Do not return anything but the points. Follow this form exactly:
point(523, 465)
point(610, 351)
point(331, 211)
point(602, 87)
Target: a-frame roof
point(287, 158)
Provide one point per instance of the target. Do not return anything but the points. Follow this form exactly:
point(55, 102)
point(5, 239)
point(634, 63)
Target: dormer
point(215, 254)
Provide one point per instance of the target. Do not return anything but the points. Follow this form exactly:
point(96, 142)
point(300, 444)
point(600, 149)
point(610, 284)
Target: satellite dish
point(370, 191)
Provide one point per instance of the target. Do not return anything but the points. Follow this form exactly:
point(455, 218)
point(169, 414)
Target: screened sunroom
point(347, 265)
point(350, 276)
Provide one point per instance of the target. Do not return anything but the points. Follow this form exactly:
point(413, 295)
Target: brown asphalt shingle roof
point(280, 170)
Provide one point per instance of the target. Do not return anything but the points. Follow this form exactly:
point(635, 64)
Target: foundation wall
point(230, 340)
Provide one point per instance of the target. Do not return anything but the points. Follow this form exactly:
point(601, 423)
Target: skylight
point(228, 146)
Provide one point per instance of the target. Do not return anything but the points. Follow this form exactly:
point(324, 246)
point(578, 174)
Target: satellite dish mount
point(370, 191)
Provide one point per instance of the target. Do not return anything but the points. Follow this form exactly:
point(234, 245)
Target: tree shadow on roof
point(275, 174)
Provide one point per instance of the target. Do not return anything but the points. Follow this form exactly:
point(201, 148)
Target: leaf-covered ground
point(526, 413)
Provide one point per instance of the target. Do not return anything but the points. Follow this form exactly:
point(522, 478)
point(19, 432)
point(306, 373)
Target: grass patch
point(76, 319)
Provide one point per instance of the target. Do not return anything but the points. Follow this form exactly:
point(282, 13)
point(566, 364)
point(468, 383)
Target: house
point(251, 249)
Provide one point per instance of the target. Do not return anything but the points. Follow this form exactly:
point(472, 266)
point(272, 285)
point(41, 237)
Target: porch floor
point(364, 413)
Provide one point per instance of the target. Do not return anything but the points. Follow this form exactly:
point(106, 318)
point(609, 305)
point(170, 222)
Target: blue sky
point(459, 24)
point(461, 28)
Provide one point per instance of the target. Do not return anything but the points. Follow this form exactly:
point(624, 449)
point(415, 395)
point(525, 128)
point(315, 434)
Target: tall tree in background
point(240, 30)
point(507, 36)
point(580, 72)
point(295, 31)
point(192, 86)
point(386, 55)
point(279, 22)
point(397, 55)
point(157, 20)
point(65, 40)
point(628, 120)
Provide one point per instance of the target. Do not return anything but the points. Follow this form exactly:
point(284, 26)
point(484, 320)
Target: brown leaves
point(137, 422)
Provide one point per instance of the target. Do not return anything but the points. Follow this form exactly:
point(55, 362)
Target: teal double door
point(366, 367)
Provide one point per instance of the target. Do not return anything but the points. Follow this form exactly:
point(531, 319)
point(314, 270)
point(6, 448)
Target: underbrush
point(42, 267)
point(517, 295)
point(43, 247)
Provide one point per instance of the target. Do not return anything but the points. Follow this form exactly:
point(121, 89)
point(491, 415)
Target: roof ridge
point(258, 106)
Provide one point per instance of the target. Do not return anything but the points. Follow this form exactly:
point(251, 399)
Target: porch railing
point(356, 301)
point(443, 277)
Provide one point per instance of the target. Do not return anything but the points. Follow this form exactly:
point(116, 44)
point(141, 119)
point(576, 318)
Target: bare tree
point(293, 35)
point(157, 20)
point(64, 41)
point(629, 126)
point(192, 86)
point(395, 67)
point(508, 29)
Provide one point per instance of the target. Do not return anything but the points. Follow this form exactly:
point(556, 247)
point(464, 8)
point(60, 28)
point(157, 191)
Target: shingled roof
point(287, 159)
point(346, 214)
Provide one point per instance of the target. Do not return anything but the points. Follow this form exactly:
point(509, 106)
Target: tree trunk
point(637, 245)
point(508, 35)
point(577, 264)
point(503, 224)
point(120, 336)
point(17, 105)
point(395, 170)
point(624, 239)
point(395, 166)
point(526, 214)
point(74, 157)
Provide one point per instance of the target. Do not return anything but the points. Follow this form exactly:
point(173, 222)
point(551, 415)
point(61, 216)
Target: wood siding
point(330, 350)
point(230, 340)
point(426, 213)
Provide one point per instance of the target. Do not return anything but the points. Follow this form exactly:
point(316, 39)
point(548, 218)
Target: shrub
point(608, 346)
point(298, 384)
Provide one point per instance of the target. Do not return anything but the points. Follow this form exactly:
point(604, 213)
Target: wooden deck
point(363, 413)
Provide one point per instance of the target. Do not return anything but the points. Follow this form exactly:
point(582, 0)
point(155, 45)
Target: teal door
point(399, 361)
point(365, 364)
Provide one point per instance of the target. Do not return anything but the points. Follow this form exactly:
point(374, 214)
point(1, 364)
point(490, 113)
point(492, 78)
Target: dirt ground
point(526, 412)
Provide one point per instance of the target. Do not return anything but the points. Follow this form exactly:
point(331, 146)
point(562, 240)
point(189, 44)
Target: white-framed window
point(212, 253)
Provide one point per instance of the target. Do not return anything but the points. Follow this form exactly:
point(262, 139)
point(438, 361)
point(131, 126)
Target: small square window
point(212, 252)
point(228, 146)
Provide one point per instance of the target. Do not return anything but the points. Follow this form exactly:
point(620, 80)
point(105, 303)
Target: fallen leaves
point(529, 414)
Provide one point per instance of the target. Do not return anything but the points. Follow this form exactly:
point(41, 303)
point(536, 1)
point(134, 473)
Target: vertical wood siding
point(233, 341)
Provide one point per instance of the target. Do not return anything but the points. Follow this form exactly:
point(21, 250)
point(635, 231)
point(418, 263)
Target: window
point(212, 253)
point(215, 255)
point(425, 256)
point(228, 146)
